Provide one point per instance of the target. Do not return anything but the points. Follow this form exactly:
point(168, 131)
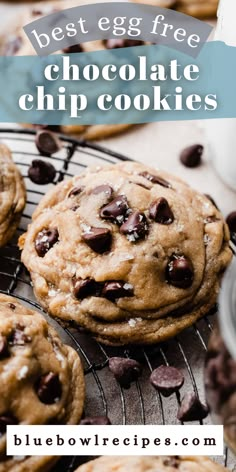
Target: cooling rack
point(140, 404)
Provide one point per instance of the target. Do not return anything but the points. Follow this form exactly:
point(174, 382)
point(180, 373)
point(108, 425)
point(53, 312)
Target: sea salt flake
point(180, 228)
point(52, 292)
point(86, 228)
point(132, 322)
point(128, 286)
point(23, 372)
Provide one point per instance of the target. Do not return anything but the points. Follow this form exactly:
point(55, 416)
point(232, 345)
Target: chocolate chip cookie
point(12, 195)
point(132, 254)
point(41, 380)
point(152, 464)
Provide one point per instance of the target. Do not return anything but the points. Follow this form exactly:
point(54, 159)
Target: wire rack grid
point(140, 404)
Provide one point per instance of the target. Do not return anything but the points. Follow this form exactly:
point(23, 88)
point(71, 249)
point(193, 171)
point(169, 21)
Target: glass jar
point(220, 369)
point(221, 133)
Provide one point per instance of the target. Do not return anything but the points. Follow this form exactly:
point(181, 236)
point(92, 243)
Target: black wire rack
point(140, 404)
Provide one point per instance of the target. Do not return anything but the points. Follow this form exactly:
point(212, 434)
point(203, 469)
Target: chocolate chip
point(135, 227)
point(83, 288)
point(103, 189)
point(12, 306)
point(75, 191)
point(117, 43)
point(231, 221)
point(115, 210)
point(12, 46)
point(125, 370)
point(179, 271)
point(3, 347)
point(167, 380)
point(45, 240)
point(98, 239)
point(117, 289)
point(41, 172)
point(172, 462)
point(155, 179)
point(18, 336)
point(73, 49)
point(93, 420)
point(74, 207)
point(211, 219)
point(191, 156)
point(191, 409)
point(48, 388)
point(47, 142)
point(6, 420)
point(161, 212)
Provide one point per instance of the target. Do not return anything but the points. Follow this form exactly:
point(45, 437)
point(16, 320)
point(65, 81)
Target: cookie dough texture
point(69, 268)
point(12, 195)
point(152, 464)
point(41, 380)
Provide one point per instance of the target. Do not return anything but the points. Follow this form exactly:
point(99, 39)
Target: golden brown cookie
point(151, 464)
point(198, 8)
point(12, 195)
point(41, 380)
point(132, 254)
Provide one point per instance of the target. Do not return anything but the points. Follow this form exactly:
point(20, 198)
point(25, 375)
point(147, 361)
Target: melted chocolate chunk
point(12, 46)
point(191, 409)
point(47, 142)
point(117, 43)
point(135, 227)
point(155, 179)
point(45, 240)
point(12, 306)
point(18, 336)
point(93, 420)
point(161, 212)
point(167, 380)
point(116, 210)
point(117, 289)
point(191, 156)
point(76, 191)
point(98, 239)
point(73, 49)
point(3, 347)
point(172, 462)
point(41, 173)
point(180, 271)
point(125, 370)
point(83, 288)
point(103, 189)
point(6, 419)
point(48, 388)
